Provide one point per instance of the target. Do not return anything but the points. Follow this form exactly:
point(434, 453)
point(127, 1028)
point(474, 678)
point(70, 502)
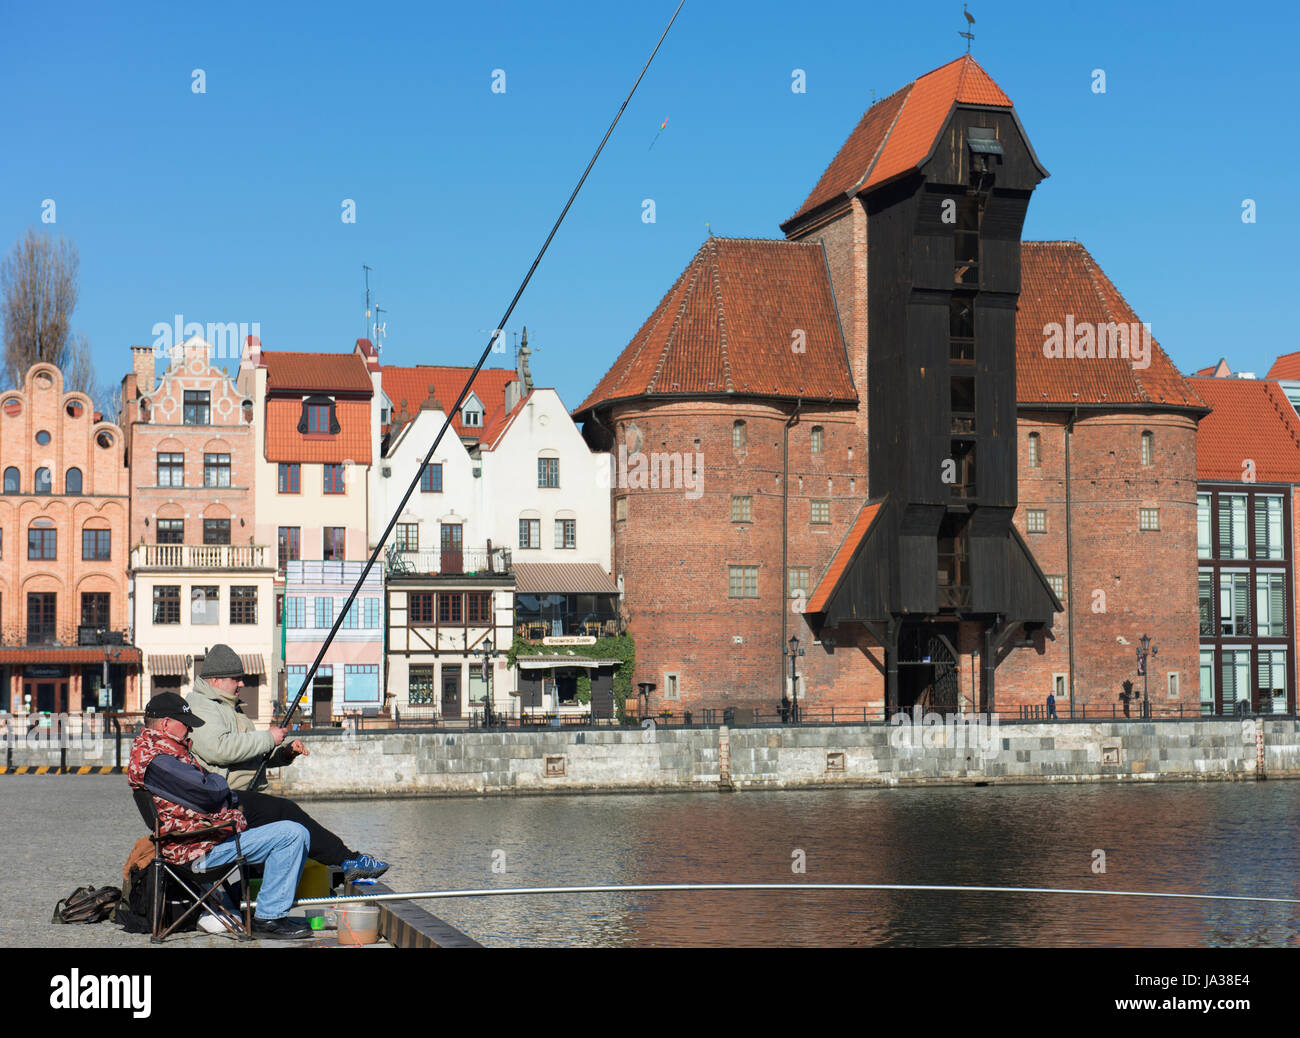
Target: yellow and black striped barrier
point(54, 769)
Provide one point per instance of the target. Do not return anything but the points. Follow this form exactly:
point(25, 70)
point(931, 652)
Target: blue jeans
point(282, 846)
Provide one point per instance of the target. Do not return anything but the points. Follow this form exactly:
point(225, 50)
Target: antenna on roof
point(967, 35)
point(381, 329)
point(367, 270)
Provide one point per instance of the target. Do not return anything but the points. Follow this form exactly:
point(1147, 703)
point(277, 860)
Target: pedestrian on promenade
point(785, 708)
point(1051, 707)
point(228, 745)
point(188, 799)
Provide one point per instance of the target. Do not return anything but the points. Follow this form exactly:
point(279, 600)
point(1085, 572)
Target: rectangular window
point(422, 688)
point(318, 418)
point(42, 544)
point(1232, 526)
point(1205, 601)
point(1174, 691)
point(333, 479)
point(821, 512)
point(1148, 519)
point(290, 479)
point(1058, 586)
point(198, 410)
point(171, 470)
point(450, 607)
point(216, 470)
point(324, 612)
point(335, 538)
point(295, 611)
point(419, 608)
point(1234, 604)
point(372, 615)
point(170, 531)
point(742, 582)
point(798, 581)
point(167, 604)
point(1272, 681)
point(1203, 526)
point(566, 533)
point(1268, 528)
point(96, 545)
point(94, 609)
point(431, 478)
point(742, 509)
point(243, 604)
point(408, 537)
point(478, 608)
point(216, 531)
point(530, 533)
point(289, 543)
point(1270, 605)
point(672, 686)
point(620, 509)
point(205, 605)
point(352, 618)
point(1207, 682)
point(361, 683)
point(818, 439)
point(1236, 678)
point(738, 436)
point(548, 472)
point(42, 618)
point(1036, 520)
point(1035, 458)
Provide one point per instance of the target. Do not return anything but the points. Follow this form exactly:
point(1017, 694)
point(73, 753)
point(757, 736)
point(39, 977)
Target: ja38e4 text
point(1194, 980)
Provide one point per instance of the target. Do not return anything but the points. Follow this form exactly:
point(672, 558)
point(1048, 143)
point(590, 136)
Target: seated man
point(228, 745)
point(187, 798)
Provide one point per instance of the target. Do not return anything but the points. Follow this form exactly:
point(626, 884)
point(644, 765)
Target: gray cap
point(221, 662)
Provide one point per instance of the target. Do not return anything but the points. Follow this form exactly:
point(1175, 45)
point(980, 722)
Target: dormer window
point(471, 414)
point(318, 417)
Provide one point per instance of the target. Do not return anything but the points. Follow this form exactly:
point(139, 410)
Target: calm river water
point(1223, 838)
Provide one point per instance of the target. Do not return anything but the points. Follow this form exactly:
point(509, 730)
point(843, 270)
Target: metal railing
point(446, 562)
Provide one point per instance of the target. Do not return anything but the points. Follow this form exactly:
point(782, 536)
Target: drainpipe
point(1069, 556)
point(785, 535)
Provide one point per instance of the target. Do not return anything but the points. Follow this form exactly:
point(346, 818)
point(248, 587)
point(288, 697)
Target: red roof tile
point(896, 135)
point(285, 443)
point(1286, 366)
point(843, 556)
point(413, 384)
point(728, 325)
point(331, 373)
point(1252, 420)
point(1060, 283)
point(494, 430)
point(11, 656)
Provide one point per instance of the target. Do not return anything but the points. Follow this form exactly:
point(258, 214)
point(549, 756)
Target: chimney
point(512, 394)
point(366, 350)
point(142, 363)
point(252, 351)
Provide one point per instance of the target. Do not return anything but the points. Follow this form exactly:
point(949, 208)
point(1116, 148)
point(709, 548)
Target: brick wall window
point(1036, 520)
point(1148, 448)
point(198, 409)
point(43, 482)
point(1057, 585)
point(1148, 519)
point(216, 470)
point(289, 542)
point(72, 481)
point(205, 605)
point(530, 533)
point(431, 478)
point(171, 470)
point(290, 479)
point(169, 531)
point(243, 604)
point(333, 479)
point(742, 582)
point(335, 537)
point(566, 533)
point(821, 513)
point(216, 531)
point(548, 472)
point(94, 609)
point(742, 509)
point(798, 580)
point(672, 686)
point(620, 509)
point(13, 481)
point(1035, 451)
point(97, 545)
point(42, 617)
point(42, 540)
point(818, 439)
point(167, 604)
point(408, 537)
point(420, 608)
point(739, 436)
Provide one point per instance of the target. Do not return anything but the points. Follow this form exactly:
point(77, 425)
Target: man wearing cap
point(187, 799)
point(229, 746)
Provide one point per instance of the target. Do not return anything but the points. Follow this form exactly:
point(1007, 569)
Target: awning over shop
point(168, 666)
point(70, 655)
point(253, 663)
point(562, 578)
point(548, 662)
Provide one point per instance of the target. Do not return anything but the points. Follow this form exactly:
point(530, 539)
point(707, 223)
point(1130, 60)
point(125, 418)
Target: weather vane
point(968, 35)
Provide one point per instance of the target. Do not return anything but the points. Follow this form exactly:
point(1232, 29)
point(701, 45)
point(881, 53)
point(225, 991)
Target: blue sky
point(225, 206)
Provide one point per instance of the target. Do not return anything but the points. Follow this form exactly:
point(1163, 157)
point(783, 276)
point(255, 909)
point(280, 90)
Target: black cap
point(169, 704)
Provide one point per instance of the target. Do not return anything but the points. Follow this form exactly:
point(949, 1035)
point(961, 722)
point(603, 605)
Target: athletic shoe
point(363, 867)
point(283, 928)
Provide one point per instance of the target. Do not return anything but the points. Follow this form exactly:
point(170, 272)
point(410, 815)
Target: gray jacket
point(227, 743)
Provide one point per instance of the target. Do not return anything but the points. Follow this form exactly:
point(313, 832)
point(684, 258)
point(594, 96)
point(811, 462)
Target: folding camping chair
point(192, 880)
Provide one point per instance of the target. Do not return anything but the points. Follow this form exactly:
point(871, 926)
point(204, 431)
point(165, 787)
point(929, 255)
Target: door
point(451, 689)
point(453, 559)
point(47, 697)
point(602, 694)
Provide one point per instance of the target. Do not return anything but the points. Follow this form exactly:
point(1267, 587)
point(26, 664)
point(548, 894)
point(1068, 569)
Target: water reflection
point(1228, 838)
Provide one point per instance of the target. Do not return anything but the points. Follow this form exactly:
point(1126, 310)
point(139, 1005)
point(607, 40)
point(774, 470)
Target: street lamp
point(794, 652)
point(1143, 650)
point(487, 683)
point(643, 690)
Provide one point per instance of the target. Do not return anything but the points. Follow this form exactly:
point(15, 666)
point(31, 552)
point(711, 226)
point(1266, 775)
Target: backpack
point(87, 905)
point(134, 911)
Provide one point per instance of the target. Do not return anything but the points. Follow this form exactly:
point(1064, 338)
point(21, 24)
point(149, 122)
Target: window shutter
point(1276, 606)
point(302, 418)
point(1240, 605)
point(334, 422)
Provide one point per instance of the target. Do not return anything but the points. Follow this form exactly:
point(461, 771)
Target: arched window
point(1148, 447)
point(1035, 451)
point(72, 481)
point(13, 482)
point(42, 481)
point(42, 540)
point(738, 438)
point(818, 439)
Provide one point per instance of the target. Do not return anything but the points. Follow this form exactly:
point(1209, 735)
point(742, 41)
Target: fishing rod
point(422, 895)
point(291, 708)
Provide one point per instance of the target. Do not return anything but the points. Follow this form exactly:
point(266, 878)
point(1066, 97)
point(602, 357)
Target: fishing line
point(455, 408)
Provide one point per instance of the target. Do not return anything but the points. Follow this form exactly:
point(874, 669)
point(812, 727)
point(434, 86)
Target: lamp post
point(643, 690)
point(1144, 650)
point(487, 683)
point(794, 652)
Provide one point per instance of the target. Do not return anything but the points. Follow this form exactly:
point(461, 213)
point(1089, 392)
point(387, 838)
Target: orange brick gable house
point(760, 358)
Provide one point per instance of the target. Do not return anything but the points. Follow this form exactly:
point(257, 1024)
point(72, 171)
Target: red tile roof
point(1252, 420)
point(413, 384)
point(843, 556)
point(728, 325)
point(1219, 370)
point(896, 135)
point(11, 656)
point(494, 430)
point(285, 443)
point(1059, 280)
point(331, 373)
point(1286, 366)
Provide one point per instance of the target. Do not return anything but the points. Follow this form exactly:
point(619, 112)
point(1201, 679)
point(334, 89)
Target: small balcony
point(201, 557)
point(449, 562)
